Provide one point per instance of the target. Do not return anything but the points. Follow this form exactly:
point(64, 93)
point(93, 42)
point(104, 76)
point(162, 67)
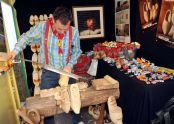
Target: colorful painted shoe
point(145, 12)
point(115, 112)
point(102, 54)
point(166, 22)
point(118, 65)
point(75, 98)
point(96, 55)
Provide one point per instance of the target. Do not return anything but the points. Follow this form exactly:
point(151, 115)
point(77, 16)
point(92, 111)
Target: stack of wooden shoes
point(115, 111)
point(35, 48)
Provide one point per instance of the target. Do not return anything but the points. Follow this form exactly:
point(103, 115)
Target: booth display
point(123, 56)
point(139, 101)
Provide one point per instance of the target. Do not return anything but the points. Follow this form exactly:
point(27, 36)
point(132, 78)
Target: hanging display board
point(165, 31)
point(8, 88)
point(8, 39)
point(122, 20)
point(149, 11)
point(9, 24)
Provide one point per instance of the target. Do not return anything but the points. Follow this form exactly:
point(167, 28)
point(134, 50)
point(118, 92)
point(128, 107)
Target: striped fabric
point(36, 35)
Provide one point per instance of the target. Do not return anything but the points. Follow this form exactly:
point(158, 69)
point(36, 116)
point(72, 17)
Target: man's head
point(62, 18)
point(90, 23)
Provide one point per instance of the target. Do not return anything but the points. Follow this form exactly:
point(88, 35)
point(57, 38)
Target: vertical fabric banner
point(122, 20)
point(165, 31)
point(149, 11)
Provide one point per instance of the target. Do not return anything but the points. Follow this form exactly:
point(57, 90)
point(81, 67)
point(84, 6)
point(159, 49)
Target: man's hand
point(63, 81)
point(11, 55)
point(67, 69)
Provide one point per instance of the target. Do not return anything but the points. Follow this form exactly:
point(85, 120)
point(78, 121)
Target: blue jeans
point(50, 80)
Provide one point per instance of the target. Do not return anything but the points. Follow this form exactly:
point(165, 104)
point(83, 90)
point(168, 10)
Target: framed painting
point(89, 21)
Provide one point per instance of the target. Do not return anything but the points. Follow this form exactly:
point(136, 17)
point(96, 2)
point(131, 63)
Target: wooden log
point(47, 105)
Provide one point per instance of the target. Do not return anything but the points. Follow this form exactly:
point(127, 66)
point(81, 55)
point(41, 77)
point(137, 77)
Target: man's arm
point(76, 51)
point(31, 36)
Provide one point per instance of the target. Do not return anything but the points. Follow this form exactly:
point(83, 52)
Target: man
point(91, 28)
point(60, 45)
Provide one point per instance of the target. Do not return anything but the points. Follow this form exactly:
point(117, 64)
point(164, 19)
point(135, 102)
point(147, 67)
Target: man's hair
point(62, 14)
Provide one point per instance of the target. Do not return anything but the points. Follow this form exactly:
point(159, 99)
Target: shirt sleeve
point(75, 51)
point(31, 36)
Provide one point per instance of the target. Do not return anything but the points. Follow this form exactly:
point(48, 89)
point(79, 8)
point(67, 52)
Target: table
point(138, 101)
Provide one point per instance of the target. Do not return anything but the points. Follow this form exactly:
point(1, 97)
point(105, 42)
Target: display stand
point(47, 106)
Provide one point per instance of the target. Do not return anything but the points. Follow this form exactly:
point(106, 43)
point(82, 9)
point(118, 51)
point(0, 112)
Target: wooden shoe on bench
point(22, 113)
point(75, 98)
point(115, 112)
point(34, 115)
point(94, 111)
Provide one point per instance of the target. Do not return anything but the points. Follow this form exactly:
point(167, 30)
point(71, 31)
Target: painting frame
point(89, 20)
